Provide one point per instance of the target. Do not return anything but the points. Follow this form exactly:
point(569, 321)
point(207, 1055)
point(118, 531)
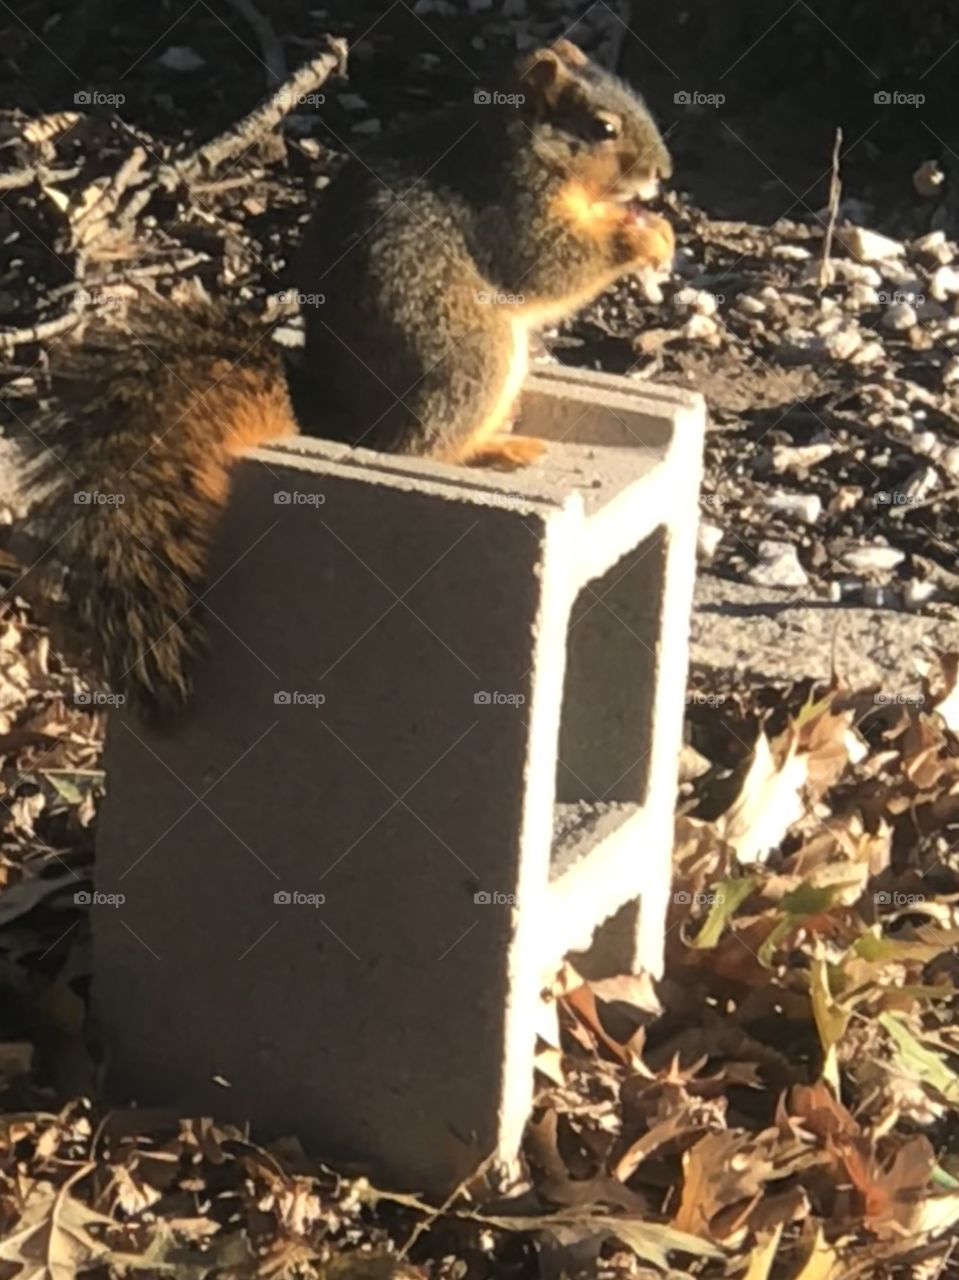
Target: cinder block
point(426, 685)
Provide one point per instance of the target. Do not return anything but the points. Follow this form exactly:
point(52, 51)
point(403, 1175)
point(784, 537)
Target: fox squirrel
point(434, 265)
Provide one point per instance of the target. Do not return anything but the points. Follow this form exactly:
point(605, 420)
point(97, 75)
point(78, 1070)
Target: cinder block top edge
point(440, 480)
point(563, 379)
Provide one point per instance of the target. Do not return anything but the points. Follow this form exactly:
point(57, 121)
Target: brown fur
point(153, 420)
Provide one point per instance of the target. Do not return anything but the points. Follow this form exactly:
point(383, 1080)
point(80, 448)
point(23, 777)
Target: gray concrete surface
point(764, 634)
point(454, 652)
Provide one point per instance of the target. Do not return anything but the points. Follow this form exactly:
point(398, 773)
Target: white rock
point(778, 567)
point(900, 316)
point(950, 373)
point(922, 484)
point(751, 305)
point(791, 253)
point(852, 272)
point(800, 457)
point(843, 344)
point(915, 593)
point(944, 283)
point(700, 300)
point(927, 444)
point(708, 539)
point(868, 246)
point(868, 353)
point(701, 328)
point(863, 297)
point(180, 57)
point(949, 461)
point(877, 558)
point(806, 507)
point(931, 242)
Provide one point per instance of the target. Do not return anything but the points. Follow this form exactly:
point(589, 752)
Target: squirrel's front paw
point(648, 240)
point(508, 453)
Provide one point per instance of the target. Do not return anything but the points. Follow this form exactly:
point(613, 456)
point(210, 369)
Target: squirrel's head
point(591, 124)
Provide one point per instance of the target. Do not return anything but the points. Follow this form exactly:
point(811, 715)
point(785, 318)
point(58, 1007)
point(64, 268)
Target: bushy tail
point(132, 468)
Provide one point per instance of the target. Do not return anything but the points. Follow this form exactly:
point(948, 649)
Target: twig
point(270, 46)
point(10, 338)
point(26, 177)
point(835, 192)
point(99, 205)
point(266, 116)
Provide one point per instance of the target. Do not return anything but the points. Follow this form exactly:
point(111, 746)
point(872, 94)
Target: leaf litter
point(783, 1105)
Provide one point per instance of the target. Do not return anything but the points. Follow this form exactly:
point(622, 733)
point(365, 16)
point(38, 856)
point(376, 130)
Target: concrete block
point(432, 750)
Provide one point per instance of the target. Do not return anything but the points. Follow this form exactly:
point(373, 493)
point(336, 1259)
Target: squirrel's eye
point(607, 125)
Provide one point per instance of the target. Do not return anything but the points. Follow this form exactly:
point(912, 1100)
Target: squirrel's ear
point(543, 73)
point(570, 53)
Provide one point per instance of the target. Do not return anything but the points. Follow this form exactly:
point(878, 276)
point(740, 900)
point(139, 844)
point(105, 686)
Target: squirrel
point(430, 267)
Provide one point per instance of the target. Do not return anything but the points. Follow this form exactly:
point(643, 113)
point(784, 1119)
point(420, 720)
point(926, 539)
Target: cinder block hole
point(612, 659)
